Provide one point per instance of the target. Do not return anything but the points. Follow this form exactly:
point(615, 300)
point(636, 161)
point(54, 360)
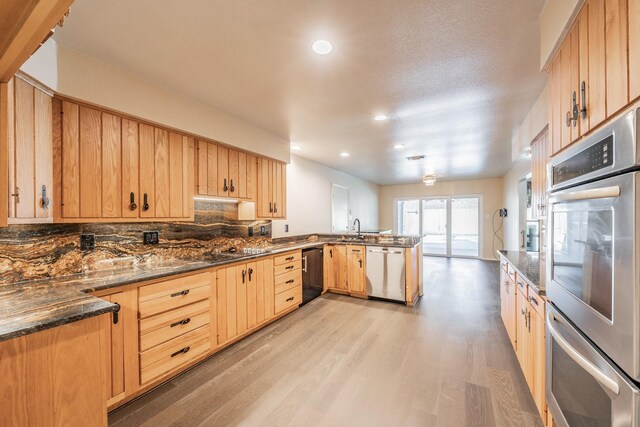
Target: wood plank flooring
point(341, 361)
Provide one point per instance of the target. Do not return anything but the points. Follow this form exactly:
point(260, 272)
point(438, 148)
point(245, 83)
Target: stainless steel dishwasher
point(386, 273)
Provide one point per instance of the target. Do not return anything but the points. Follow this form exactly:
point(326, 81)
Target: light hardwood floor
point(341, 361)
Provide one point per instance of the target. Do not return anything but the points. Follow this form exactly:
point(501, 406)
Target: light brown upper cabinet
point(596, 71)
point(225, 172)
point(539, 156)
point(272, 177)
point(111, 168)
point(30, 153)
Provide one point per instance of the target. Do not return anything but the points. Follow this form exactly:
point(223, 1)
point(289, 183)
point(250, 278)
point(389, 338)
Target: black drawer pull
point(289, 267)
point(289, 258)
point(533, 300)
point(232, 188)
point(290, 281)
point(289, 299)
point(225, 187)
point(116, 314)
point(182, 351)
point(132, 201)
point(181, 322)
point(275, 209)
point(270, 207)
point(181, 293)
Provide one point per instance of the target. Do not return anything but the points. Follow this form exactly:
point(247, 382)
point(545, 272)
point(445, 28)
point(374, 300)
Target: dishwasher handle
point(384, 251)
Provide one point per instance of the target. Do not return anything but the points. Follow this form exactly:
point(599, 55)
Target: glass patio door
point(435, 219)
point(465, 226)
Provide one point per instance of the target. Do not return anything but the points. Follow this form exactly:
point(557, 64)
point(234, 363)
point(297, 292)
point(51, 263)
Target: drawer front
point(288, 299)
point(522, 285)
point(287, 258)
point(180, 297)
point(167, 287)
point(174, 323)
point(286, 268)
point(286, 278)
point(172, 354)
point(537, 302)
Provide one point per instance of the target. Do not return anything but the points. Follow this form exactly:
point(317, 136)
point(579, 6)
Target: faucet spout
point(360, 236)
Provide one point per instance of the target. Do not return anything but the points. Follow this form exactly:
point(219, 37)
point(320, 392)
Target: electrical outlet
point(503, 212)
point(263, 230)
point(151, 237)
point(250, 231)
point(87, 242)
point(286, 228)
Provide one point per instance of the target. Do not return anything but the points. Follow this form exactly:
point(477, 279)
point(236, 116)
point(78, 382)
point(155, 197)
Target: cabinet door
point(234, 173)
point(356, 270)
point(283, 190)
point(111, 166)
point(265, 204)
point(161, 173)
point(147, 171)
point(504, 301)
point(177, 155)
point(231, 294)
point(522, 333)
point(43, 133)
point(70, 202)
point(556, 121)
point(90, 162)
point(252, 177)
point(114, 344)
point(242, 175)
point(221, 305)
point(252, 294)
point(575, 79)
point(212, 169)
point(131, 197)
point(188, 176)
point(634, 49)
point(566, 89)
point(616, 60)
point(510, 310)
point(328, 275)
point(597, 80)
point(266, 273)
point(242, 280)
point(223, 172)
point(537, 359)
point(582, 23)
point(24, 150)
point(203, 168)
point(340, 267)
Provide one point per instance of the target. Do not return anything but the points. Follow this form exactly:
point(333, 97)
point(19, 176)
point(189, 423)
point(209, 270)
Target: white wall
point(309, 198)
point(490, 189)
point(555, 19)
point(82, 77)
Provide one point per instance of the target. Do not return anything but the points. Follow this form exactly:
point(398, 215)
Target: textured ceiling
point(456, 77)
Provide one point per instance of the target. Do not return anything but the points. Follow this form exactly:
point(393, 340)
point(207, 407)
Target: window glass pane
point(408, 218)
point(434, 226)
point(465, 226)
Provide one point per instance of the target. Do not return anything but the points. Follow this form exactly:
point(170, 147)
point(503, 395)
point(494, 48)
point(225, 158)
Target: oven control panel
point(598, 156)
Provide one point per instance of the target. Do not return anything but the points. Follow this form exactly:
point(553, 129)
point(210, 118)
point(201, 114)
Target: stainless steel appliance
point(593, 282)
point(311, 274)
point(386, 273)
point(533, 236)
point(584, 388)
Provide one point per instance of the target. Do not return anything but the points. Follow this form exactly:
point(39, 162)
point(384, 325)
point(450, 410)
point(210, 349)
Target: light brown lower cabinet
point(335, 268)
point(356, 273)
point(525, 320)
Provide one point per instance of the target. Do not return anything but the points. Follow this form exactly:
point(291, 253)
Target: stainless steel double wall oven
point(593, 279)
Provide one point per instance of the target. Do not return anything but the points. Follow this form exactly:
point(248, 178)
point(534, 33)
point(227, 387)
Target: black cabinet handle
point(360, 263)
point(244, 273)
point(533, 300)
point(290, 281)
point(145, 202)
point(290, 267)
point(132, 201)
point(270, 207)
point(116, 314)
point(583, 100)
point(181, 322)
point(250, 273)
point(289, 258)
point(331, 253)
point(289, 299)
point(225, 187)
point(181, 293)
point(182, 351)
point(232, 188)
point(275, 208)
point(568, 119)
point(575, 109)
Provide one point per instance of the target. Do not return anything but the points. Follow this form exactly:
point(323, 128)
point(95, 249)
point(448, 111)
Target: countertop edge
point(536, 288)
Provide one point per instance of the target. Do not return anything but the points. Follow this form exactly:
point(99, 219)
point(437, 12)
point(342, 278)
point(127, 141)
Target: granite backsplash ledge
point(40, 251)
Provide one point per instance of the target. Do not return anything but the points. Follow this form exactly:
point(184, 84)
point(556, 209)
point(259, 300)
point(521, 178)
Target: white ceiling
point(456, 77)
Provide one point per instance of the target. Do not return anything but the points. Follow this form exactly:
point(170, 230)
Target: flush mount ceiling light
point(322, 47)
point(399, 146)
point(296, 147)
point(380, 118)
point(429, 179)
point(344, 154)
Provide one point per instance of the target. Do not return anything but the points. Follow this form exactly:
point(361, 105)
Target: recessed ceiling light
point(296, 147)
point(380, 118)
point(344, 154)
point(322, 47)
point(399, 146)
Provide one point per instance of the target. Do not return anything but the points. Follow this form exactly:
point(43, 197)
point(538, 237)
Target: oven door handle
point(592, 369)
point(594, 193)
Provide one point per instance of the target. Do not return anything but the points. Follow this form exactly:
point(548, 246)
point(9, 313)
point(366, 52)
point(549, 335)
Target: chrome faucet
point(360, 236)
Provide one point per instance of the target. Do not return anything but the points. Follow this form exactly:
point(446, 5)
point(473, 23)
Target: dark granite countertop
point(530, 266)
point(32, 306)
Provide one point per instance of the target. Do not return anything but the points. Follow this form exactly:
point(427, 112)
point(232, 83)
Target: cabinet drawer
point(289, 298)
point(288, 280)
point(537, 302)
point(172, 294)
point(172, 354)
point(522, 285)
point(165, 326)
point(287, 258)
point(286, 268)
